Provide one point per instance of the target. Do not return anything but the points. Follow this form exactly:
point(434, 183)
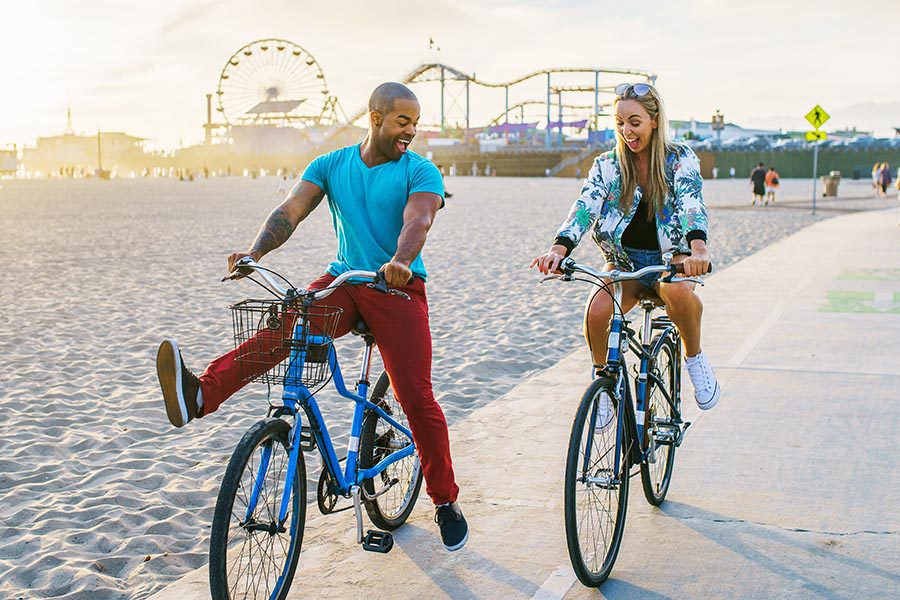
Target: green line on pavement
point(871, 274)
point(861, 302)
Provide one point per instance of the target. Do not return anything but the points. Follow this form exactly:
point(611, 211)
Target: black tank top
point(641, 232)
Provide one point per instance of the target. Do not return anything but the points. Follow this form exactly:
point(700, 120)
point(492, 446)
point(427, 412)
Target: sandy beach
point(99, 497)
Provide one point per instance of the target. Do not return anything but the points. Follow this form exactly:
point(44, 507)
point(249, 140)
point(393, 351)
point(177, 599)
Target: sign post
point(816, 117)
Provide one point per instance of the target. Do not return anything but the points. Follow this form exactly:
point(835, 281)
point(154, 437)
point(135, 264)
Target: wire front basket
point(284, 343)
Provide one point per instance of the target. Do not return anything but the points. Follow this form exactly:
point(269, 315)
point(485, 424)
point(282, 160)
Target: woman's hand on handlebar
point(697, 263)
point(549, 262)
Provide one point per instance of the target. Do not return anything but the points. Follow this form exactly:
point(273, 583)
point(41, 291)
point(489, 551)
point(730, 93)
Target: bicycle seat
point(361, 328)
point(648, 295)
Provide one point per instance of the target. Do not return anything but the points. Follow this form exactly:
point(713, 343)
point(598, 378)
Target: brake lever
point(238, 273)
point(691, 279)
point(380, 285)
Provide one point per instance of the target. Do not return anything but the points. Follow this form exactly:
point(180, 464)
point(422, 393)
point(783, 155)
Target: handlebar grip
point(679, 269)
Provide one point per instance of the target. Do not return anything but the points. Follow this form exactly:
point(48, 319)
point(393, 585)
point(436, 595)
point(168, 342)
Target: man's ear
point(376, 118)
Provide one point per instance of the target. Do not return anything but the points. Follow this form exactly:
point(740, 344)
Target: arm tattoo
point(274, 232)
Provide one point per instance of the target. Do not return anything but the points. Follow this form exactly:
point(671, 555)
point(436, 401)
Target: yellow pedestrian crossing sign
point(815, 136)
point(817, 116)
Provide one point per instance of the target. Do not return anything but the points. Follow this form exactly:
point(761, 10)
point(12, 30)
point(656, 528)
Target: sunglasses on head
point(632, 90)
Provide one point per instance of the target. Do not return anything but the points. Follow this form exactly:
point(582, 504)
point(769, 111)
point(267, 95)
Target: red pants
point(401, 330)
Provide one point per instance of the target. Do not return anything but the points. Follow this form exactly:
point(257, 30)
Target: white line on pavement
point(557, 585)
point(750, 343)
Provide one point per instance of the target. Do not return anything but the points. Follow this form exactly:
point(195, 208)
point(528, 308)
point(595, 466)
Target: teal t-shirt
point(367, 203)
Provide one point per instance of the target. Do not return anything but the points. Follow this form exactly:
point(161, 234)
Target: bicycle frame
point(620, 339)
point(296, 397)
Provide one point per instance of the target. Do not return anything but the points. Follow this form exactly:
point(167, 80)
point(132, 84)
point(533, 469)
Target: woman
point(772, 182)
point(643, 199)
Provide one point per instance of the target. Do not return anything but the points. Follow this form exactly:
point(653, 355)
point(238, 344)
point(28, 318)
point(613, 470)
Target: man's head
point(760, 165)
point(393, 116)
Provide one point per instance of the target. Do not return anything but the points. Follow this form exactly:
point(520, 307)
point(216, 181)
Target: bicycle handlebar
point(569, 267)
point(246, 265)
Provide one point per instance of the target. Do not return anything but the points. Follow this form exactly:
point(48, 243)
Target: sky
point(145, 67)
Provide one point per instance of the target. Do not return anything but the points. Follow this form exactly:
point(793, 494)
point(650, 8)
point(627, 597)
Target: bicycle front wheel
point(254, 556)
point(377, 440)
point(596, 491)
point(660, 428)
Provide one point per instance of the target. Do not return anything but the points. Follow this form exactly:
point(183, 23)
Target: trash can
point(830, 183)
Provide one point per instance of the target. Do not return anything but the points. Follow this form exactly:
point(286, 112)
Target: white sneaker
point(606, 414)
point(706, 388)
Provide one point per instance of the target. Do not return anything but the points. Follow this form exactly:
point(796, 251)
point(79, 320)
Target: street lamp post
point(718, 124)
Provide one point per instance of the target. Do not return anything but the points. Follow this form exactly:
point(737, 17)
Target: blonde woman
point(643, 198)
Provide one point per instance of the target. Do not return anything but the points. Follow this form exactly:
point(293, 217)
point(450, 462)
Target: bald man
point(383, 200)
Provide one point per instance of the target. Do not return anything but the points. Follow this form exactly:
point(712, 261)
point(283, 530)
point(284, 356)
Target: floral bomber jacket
point(682, 219)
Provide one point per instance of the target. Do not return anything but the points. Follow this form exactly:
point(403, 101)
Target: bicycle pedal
point(378, 541)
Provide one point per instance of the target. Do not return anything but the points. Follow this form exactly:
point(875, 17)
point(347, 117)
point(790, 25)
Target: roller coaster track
point(499, 119)
point(433, 72)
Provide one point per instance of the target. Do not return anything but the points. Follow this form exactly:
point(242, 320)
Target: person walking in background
point(715, 172)
point(282, 186)
point(772, 182)
point(758, 181)
point(731, 172)
point(875, 169)
point(898, 189)
point(884, 179)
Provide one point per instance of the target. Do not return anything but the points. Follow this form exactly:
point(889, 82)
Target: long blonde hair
point(659, 146)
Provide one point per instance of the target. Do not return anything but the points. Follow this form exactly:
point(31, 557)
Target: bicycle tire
point(225, 579)
point(656, 477)
point(591, 568)
point(390, 510)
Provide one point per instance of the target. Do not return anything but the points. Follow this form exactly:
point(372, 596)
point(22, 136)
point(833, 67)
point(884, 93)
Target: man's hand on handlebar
point(396, 274)
point(233, 258)
point(236, 256)
point(549, 263)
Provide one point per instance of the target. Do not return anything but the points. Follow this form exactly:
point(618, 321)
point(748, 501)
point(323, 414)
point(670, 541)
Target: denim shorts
point(645, 258)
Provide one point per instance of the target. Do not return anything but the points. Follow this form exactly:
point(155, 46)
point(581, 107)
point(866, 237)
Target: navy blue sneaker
point(454, 529)
point(180, 387)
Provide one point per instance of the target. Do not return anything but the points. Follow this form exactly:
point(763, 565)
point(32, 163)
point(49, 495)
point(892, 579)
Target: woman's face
point(634, 124)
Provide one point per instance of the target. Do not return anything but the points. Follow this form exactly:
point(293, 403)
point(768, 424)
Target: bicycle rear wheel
point(596, 493)
point(254, 557)
point(377, 440)
point(660, 423)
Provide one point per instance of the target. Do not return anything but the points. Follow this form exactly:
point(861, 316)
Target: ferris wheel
point(273, 82)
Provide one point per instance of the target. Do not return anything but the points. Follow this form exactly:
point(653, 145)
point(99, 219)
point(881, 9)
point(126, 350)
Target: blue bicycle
point(260, 513)
point(615, 428)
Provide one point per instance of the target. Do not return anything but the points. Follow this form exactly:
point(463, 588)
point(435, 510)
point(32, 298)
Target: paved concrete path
point(788, 489)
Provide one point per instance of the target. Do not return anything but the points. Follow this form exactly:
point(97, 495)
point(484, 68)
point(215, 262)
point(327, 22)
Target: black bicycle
point(616, 428)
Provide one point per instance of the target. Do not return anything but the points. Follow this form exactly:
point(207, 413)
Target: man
point(758, 181)
point(383, 200)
